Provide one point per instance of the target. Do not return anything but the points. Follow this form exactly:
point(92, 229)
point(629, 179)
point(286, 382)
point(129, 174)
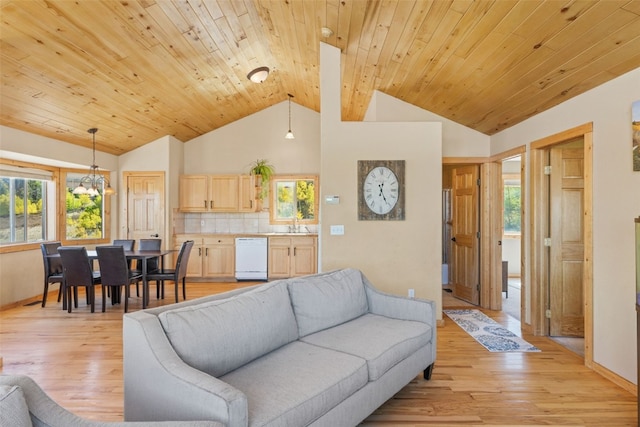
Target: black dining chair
point(152, 263)
point(128, 245)
point(115, 273)
point(178, 274)
point(52, 269)
point(77, 272)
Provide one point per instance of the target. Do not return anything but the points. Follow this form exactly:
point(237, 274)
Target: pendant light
point(94, 181)
point(289, 134)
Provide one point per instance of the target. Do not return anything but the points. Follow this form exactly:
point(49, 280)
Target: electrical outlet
point(412, 293)
point(202, 223)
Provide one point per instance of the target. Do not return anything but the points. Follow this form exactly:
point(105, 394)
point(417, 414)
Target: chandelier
point(93, 180)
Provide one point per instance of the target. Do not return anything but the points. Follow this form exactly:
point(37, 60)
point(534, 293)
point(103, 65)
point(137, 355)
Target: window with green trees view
point(512, 206)
point(294, 199)
point(23, 210)
point(34, 208)
point(84, 213)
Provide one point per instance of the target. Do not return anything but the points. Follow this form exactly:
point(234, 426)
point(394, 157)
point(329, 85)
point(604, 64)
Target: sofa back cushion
point(326, 300)
point(219, 336)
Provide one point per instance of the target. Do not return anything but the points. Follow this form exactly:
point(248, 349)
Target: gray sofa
point(321, 350)
point(24, 404)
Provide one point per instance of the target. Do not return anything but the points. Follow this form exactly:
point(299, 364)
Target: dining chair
point(52, 269)
point(128, 245)
point(178, 274)
point(152, 263)
point(77, 272)
point(115, 273)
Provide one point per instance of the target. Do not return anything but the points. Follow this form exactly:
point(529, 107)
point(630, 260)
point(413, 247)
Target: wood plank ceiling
point(142, 69)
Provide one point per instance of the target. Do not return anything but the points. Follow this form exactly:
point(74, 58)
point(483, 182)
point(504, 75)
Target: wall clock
point(381, 190)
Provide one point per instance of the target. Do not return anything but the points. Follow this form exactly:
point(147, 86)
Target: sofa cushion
point(325, 300)
point(219, 336)
point(13, 407)
point(296, 384)
point(383, 342)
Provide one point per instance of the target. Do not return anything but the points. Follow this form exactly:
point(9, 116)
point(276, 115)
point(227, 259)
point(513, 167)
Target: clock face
point(380, 190)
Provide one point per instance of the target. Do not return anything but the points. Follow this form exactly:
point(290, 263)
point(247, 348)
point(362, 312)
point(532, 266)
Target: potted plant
point(265, 170)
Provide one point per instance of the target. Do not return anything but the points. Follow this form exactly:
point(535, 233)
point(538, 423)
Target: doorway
point(562, 244)
point(512, 227)
point(145, 205)
point(461, 246)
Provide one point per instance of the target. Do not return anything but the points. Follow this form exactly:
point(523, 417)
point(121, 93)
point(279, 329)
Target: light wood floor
point(77, 359)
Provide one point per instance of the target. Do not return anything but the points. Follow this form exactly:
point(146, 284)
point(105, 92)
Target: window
point(35, 208)
point(512, 205)
point(294, 199)
point(23, 210)
point(85, 215)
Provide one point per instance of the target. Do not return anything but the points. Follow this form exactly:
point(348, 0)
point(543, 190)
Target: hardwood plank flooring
point(77, 359)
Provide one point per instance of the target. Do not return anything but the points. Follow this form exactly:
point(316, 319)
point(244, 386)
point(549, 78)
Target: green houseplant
point(265, 170)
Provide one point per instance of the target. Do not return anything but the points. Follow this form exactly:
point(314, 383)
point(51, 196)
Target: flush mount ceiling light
point(258, 75)
point(289, 134)
point(326, 32)
point(95, 182)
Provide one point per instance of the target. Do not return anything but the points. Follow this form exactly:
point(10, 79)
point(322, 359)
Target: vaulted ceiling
point(142, 69)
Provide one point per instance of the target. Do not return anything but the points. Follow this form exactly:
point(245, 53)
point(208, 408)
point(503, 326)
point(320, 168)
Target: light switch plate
point(337, 230)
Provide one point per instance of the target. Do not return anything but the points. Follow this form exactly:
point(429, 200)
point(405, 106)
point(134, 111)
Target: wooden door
point(566, 254)
point(465, 251)
point(145, 205)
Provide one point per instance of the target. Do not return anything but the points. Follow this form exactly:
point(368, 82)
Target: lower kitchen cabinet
point(292, 256)
point(219, 257)
point(212, 257)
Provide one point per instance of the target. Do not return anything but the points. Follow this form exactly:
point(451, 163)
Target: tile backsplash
point(233, 223)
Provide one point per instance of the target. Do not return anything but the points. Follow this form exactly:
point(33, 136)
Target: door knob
point(453, 239)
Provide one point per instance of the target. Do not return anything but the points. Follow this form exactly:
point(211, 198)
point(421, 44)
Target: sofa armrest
point(158, 385)
point(44, 411)
point(402, 308)
point(399, 307)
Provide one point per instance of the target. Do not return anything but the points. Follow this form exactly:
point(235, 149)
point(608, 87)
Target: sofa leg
point(428, 372)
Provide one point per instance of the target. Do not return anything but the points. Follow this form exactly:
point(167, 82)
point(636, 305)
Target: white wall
point(21, 273)
point(457, 140)
point(234, 147)
point(616, 202)
point(394, 255)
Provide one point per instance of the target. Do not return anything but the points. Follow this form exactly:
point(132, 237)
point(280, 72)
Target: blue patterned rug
point(493, 336)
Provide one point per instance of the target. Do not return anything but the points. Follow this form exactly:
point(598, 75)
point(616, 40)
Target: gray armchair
point(15, 402)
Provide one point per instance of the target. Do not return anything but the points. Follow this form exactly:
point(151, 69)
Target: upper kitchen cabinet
point(217, 193)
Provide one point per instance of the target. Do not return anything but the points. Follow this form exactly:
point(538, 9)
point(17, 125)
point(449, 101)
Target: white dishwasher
point(251, 258)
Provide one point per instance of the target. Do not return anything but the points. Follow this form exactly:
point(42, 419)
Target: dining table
point(139, 255)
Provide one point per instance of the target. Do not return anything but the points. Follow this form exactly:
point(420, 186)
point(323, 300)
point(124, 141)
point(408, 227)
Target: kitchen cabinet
point(247, 194)
point(194, 266)
point(217, 193)
point(212, 257)
point(219, 257)
point(291, 256)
